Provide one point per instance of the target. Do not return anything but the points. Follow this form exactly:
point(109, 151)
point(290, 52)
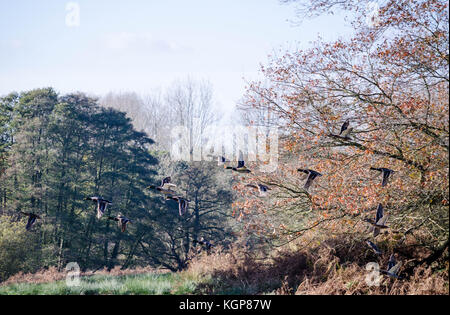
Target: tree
point(187, 103)
point(391, 81)
point(208, 213)
point(191, 107)
point(66, 148)
point(15, 253)
point(7, 105)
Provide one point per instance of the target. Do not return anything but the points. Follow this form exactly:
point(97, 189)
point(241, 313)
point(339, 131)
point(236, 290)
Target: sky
point(145, 45)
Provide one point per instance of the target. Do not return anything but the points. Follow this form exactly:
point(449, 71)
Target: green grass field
point(149, 283)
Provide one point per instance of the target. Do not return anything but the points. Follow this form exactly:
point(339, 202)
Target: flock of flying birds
point(168, 189)
point(380, 219)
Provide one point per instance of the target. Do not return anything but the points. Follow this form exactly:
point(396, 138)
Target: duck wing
point(386, 174)
point(379, 212)
point(31, 221)
point(182, 206)
point(101, 207)
point(344, 126)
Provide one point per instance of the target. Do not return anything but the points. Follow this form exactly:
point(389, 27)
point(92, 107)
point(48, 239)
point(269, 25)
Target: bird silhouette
point(380, 221)
point(373, 247)
point(344, 126)
point(32, 217)
point(166, 186)
point(183, 204)
point(385, 172)
point(393, 268)
point(122, 221)
point(311, 176)
point(102, 204)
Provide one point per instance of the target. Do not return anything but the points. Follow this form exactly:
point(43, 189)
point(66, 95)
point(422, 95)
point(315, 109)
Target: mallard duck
point(31, 219)
point(380, 221)
point(122, 221)
point(373, 247)
point(344, 127)
point(241, 168)
point(183, 204)
point(261, 188)
point(311, 176)
point(391, 262)
point(102, 204)
point(386, 173)
point(165, 187)
point(344, 135)
point(393, 268)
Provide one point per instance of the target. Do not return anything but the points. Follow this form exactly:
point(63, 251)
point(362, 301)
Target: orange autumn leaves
point(395, 93)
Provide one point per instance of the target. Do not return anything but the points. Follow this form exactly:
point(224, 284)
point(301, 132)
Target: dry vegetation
point(333, 267)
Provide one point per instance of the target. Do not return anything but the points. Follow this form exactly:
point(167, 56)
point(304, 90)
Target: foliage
point(17, 250)
point(59, 149)
point(391, 81)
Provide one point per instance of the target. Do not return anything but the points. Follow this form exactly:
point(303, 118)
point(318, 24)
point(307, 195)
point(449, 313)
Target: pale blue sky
point(141, 45)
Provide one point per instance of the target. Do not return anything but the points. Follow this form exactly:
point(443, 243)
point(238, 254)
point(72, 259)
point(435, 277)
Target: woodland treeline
point(56, 150)
point(388, 80)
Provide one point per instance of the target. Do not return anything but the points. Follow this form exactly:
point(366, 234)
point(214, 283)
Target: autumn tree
point(390, 80)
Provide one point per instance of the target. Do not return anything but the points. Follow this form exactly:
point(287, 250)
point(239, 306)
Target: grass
point(138, 284)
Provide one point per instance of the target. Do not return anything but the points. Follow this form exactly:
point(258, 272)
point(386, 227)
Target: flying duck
point(344, 127)
point(373, 247)
point(183, 204)
point(386, 173)
point(122, 221)
point(345, 134)
point(31, 219)
point(380, 221)
point(101, 205)
point(165, 187)
point(311, 176)
point(393, 268)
